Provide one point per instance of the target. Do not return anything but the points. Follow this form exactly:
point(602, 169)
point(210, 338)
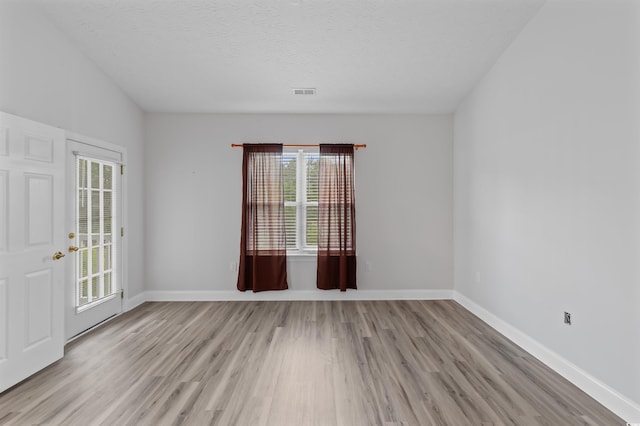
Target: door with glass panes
point(95, 237)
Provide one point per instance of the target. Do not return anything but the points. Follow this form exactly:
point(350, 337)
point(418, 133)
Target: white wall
point(547, 186)
point(44, 78)
point(403, 197)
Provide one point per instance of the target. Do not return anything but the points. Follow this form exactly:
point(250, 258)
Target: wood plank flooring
point(298, 363)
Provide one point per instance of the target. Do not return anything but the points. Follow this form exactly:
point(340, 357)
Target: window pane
point(94, 260)
point(107, 176)
point(94, 288)
point(289, 176)
point(312, 226)
point(312, 162)
point(84, 263)
point(83, 211)
point(82, 173)
point(95, 211)
point(107, 214)
point(107, 284)
point(107, 257)
point(83, 289)
point(95, 175)
point(290, 225)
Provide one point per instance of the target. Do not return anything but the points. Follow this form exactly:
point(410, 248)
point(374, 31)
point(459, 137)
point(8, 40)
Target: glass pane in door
point(95, 222)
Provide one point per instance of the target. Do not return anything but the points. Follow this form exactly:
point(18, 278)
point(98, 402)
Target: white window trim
point(301, 203)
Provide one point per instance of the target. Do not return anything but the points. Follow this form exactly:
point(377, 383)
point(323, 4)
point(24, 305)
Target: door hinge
point(122, 232)
point(121, 169)
point(121, 294)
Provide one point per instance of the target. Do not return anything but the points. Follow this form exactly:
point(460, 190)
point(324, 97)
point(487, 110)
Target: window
point(95, 223)
point(300, 171)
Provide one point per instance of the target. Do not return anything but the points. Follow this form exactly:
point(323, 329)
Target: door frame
point(122, 206)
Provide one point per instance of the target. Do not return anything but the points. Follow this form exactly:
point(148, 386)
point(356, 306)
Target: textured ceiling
point(398, 56)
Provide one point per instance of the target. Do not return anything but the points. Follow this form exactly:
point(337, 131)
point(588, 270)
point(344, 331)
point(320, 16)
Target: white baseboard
point(610, 398)
point(132, 302)
point(233, 295)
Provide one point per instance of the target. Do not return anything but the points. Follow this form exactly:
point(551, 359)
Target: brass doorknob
point(59, 255)
point(73, 248)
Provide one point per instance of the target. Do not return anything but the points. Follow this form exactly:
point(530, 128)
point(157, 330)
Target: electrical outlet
point(233, 266)
point(567, 318)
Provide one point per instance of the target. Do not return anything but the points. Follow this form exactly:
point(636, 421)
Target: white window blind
point(300, 171)
point(95, 205)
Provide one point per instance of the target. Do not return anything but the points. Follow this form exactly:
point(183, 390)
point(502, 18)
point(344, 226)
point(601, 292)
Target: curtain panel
point(263, 251)
point(336, 218)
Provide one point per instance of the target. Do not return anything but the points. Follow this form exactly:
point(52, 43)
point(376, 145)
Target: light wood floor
point(298, 363)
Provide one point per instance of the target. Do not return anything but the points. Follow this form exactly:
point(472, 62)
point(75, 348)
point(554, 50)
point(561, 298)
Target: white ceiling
point(401, 56)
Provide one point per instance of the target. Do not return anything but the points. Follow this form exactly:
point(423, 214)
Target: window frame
point(301, 204)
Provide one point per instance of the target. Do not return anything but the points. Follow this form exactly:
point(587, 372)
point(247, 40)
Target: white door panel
point(4, 209)
point(32, 195)
point(38, 289)
point(39, 208)
point(4, 319)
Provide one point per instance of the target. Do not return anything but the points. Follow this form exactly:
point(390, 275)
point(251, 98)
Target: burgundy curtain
point(336, 218)
point(263, 250)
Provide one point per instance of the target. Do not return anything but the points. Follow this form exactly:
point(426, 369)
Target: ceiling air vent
point(309, 91)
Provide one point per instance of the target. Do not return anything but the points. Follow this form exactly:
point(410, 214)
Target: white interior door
point(94, 198)
point(32, 174)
